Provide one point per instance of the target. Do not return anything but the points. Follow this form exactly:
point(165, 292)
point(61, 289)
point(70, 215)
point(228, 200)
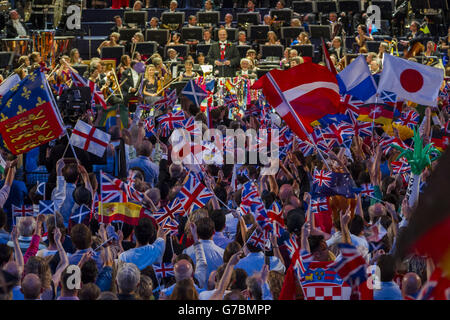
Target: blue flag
point(194, 92)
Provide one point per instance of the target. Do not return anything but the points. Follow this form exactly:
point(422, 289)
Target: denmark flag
point(310, 89)
point(411, 80)
point(89, 138)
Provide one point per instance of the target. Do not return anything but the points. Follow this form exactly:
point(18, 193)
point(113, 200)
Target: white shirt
point(19, 28)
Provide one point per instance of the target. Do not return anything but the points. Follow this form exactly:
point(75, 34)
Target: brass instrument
point(27, 11)
point(168, 84)
point(58, 12)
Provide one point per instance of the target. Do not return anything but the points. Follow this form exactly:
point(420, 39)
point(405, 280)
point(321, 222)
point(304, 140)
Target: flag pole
point(272, 80)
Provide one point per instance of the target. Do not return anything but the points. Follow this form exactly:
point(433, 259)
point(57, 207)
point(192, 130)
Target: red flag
point(328, 61)
point(310, 89)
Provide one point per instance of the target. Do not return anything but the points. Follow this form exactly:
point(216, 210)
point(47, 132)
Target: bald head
point(31, 286)
point(12, 268)
point(183, 270)
point(26, 226)
point(411, 284)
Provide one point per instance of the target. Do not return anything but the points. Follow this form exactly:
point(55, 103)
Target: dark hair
point(81, 195)
point(205, 228)
point(356, 225)
point(3, 218)
point(81, 236)
point(387, 267)
point(314, 242)
point(231, 249)
point(218, 216)
point(5, 253)
point(89, 291)
point(184, 290)
point(295, 219)
point(239, 282)
point(144, 231)
point(89, 272)
point(70, 173)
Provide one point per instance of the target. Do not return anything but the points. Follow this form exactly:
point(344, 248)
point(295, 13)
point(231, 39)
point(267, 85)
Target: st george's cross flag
point(310, 89)
point(89, 138)
point(411, 80)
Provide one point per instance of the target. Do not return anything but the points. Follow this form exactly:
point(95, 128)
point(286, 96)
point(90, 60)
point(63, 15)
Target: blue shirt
point(254, 262)
point(389, 291)
point(213, 255)
point(220, 240)
point(76, 257)
point(146, 255)
point(168, 291)
point(151, 170)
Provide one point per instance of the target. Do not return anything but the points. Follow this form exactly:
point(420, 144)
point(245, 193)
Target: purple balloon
point(139, 67)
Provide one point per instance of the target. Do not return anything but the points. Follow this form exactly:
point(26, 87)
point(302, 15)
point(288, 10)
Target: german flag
point(377, 112)
point(440, 138)
point(428, 231)
point(127, 212)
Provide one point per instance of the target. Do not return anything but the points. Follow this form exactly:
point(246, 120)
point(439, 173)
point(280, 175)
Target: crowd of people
point(211, 255)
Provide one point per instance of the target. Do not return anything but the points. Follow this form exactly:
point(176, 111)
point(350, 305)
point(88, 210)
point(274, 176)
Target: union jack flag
point(149, 126)
point(292, 245)
point(322, 177)
point(22, 211)
point(351, 104)
point(340, 133)
point(306, 148)
point(360, 128)
point(231, 101)
point(193, 195)
point(400, 166)
point(367, 189)
point(319, 204)
point(257, 239)
point(275, 215)
point(163, 270)
point(97, 96)
point(189, 125)
point(168, 212)
point(112, 189)
point(352, 267)
point(170, 121)
point(130, 188)
point(250, 200)
point(167, 102)
point(409, 118)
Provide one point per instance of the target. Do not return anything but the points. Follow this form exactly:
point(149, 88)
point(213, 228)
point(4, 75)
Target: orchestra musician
point(302, 39)
point(14, 27)
point(336, 48)
point(228, 21)
point(362, 37)
point(75, 57)
point(118, 24)
point(224, 56)
point(207, 37)
point(125, 63)
point(384, 47)
point(151, 85)
point(112, 42)
point(272, 39)
point(154, 23)
point(188, 72)
point(163, 73)
point(131, 81)
point(415, 35)
point(336, 26)
point(174, 39)
point(242, 39)
point(445, 42)
point(430, 51)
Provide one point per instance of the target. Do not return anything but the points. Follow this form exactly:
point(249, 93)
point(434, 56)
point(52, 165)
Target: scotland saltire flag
point(329, 183)
point(356, 80)
point(79, 215)
point(41, 189)
point(46, 207)
point(194, 92)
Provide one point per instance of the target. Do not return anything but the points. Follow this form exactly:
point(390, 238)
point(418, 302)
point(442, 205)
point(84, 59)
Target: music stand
point(203, 48)
point(231, 32)
point(304, 50)
point(193, 33)
point(261, 72)
point(386, 8)
point(81, 68)
point(248, 18)
point(6, 59)
point(258, 32)
point(326, 6)
point(349, 5)
point(417, 4)
point(159, 36)
point(318, 32)
point(181, 49)
point(284, 15)
point(172, 18)
point(127, 34)
point(271, 51)
point(291, 32)
point(208, 17)
point(302, 7)
point(138, 18)
point(243, 50)
point(179, 86)
point(112, 53)
point(146, 48)
point(372, 46)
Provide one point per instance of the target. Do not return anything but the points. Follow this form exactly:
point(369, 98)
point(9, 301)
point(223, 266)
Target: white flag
point(10, 82)
point(89, 138)
point(410, 80)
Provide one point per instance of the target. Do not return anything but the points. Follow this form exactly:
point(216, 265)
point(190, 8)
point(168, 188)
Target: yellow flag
point(127, 212)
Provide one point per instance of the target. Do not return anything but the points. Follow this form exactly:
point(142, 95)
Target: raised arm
point(18, 257)
point(64, 260)
point(226, 277)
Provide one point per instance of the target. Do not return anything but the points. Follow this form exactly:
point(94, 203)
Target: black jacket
point(231, 54)
point(11, 31)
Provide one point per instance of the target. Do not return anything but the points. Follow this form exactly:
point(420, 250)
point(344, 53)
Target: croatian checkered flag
point(89, 138)
point(163, 270)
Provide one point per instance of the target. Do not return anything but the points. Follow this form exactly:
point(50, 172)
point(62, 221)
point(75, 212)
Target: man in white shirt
point(207, 37)
point(213, 253)
point(145, 254)
point(15, 28)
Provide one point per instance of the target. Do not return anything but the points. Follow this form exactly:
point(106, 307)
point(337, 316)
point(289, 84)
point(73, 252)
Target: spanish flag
point(428, 231)
point(376, 112)
point(127, 212)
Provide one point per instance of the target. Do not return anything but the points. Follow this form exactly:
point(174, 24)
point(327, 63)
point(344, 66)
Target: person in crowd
point(112, 42)
point(362, 37)
point(14, 27)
